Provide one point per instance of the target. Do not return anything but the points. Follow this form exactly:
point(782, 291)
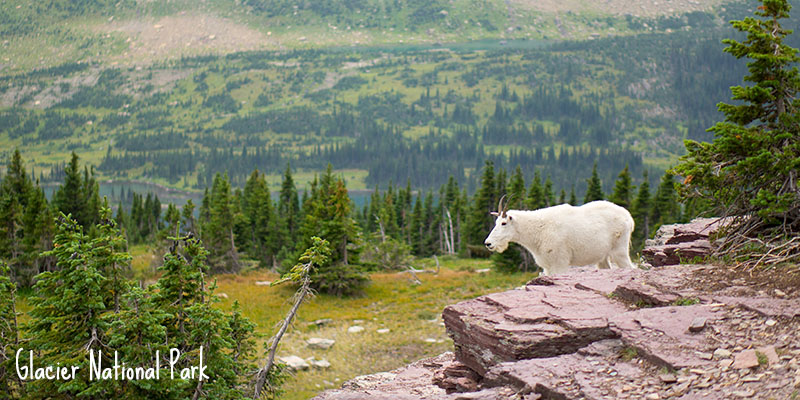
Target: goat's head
point(503, 231)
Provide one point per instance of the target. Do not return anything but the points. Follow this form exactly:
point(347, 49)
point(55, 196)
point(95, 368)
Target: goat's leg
point(620, 257)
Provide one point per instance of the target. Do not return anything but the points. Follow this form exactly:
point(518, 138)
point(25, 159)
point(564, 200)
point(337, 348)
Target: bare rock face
point(605, 334)
point(540, 321)
point(678, 243)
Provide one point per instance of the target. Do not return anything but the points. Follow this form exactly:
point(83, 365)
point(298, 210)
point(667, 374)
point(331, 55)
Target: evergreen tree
point(417, 235)
point(547, 193)
point(192, 322)
point(68, 312)
point(515, 258)
point(217, 233)
point(78, 196)
point(15, 191)
point(10, 383)
point(641, 213)
point(573, 200)
point(750, 171)
point(479, 222)
point(666, 209)
point(516, 190)
point(328, 216)
point(188, 221)
point(535, 199)
point(623, 191)
point(288, 205)
point(39, 230)
point(594, 189)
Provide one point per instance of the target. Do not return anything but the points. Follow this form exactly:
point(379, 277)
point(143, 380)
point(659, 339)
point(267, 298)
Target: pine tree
point(217, 233)
point(68, 311)
point(188, 221)
point(573, 200)
point(594, 189)
point(78, 196)
point(10, 383)
point(641, 213)
point(623, 191)
point(288, 205)
point(535, 198)
point(666, 209)
point(750, 171)
point(547, 193)
point(328, 216)
point(416, 228)
point(516, 190)
point(15, 192)
point(515, 258)
point(192, 322)
point(479, 221)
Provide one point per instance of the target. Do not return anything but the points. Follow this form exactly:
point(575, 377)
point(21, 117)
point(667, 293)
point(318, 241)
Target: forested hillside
point(385, 113)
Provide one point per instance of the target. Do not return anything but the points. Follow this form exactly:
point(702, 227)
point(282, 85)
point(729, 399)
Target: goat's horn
point(508, 203)
point(500, 209)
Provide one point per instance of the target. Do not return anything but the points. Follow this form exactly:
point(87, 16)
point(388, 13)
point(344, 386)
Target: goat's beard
point(499, 248)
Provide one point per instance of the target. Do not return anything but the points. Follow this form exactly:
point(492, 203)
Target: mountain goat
point(562, 236)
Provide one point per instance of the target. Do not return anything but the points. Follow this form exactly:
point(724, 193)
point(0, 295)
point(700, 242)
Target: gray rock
point(320, 343)
point(661, 337)
point(722, 353)
point(294, 363)
point(698, 324)
point(745, 359)
point(322, 322)
point(541, 321)
point(319, 364)
point(355, 329)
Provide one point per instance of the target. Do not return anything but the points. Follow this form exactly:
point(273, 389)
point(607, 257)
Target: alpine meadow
point(193, 193)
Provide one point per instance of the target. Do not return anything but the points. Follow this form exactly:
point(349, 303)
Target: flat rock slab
point(540, 321)
point(661, 335)
point(570, 376)
point(414, 381)
point(766, 306)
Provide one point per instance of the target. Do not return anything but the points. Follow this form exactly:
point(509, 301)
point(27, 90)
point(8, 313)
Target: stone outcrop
point(678, 243)
point(606, 334)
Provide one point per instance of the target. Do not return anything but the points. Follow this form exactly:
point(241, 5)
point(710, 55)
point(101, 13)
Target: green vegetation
point(628, 353)
point(555, 108)
point(749, 172)
point(686, 301)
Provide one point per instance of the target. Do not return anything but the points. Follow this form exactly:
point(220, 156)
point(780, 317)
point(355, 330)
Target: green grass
point(686, 301)
point(410, 312)
point(628, 353)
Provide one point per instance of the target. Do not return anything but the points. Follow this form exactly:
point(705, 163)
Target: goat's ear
point(494, 213)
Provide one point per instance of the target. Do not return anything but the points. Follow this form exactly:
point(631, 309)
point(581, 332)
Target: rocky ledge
point(608, 334)
point(680, 243)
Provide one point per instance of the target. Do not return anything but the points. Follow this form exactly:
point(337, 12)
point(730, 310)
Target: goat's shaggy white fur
point(562, 236)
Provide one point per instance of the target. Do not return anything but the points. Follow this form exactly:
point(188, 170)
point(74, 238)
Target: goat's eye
point(502, 223)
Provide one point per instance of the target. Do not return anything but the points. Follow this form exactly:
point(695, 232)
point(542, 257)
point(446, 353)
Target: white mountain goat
point(562, 236)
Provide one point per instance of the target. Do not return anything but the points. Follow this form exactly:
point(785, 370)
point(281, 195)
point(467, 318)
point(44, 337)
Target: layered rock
point(678, 243)
point(604, 335)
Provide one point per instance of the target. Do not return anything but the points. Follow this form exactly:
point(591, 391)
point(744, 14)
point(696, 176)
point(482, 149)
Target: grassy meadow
point(411, 312)
point(392, 301)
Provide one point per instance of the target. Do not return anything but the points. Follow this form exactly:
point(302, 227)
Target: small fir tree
point(750, 170)
point(623, 189)
point(594, 189)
